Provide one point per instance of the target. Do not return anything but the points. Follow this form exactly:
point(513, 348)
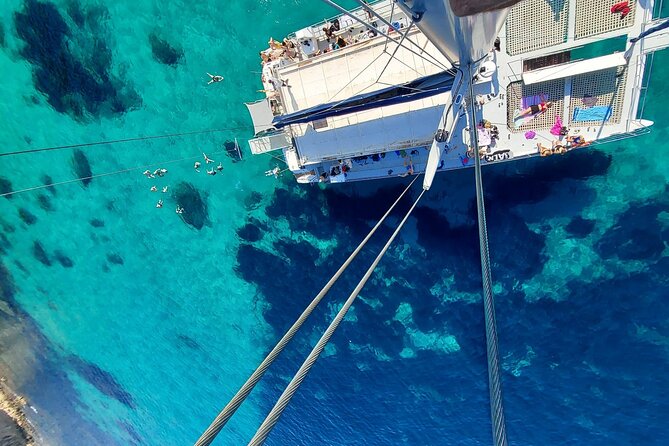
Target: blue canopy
point(420, 88)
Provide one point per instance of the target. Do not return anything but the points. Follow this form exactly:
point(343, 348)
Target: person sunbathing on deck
point(577, 141)
point(544, 151)
point(536, 109)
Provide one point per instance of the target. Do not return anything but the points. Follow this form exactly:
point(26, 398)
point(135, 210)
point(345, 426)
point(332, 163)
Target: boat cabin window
point(546, 61)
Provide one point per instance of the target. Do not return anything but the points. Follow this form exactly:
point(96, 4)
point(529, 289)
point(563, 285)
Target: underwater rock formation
point(48, 182)
point(115, 258)
point(71, 67)
point(97, 223)
point(626, 241)
point(580, 227)
point(195, 207)
point(163, 52)
point(44, 202)
point(5, 187)
point(82, 168)
point(101, 380)
point(232, 151)
point(253, 201)
point(27, 216)
point(64, 260)
point(40, 254)
point(250, 232)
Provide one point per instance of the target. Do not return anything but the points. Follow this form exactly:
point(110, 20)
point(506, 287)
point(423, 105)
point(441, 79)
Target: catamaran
point(379, 91)
point(419, 86)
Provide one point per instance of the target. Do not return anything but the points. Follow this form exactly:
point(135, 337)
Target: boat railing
point(381, 7)
point(643, 87)
point(657, 9)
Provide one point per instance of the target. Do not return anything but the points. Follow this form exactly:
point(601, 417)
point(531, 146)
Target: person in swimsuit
point(214, 78)
point(576, 141)
point(536, 109)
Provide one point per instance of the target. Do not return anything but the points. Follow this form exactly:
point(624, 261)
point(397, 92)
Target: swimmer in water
point(219, 167)
point(207, 159)
point(179, 210)
point(197, 165)
point(214, 78)
point(154, 188)
point(159, 204)
point(211, 172)
point(165, 189)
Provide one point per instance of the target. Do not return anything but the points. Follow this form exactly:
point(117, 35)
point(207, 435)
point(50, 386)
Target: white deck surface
point(354, 70)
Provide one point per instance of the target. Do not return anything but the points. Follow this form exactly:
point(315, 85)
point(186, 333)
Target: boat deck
point(596, 99)
point(352, 70)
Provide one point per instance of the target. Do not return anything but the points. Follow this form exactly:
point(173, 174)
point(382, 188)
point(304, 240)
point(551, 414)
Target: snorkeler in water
point(214, 78)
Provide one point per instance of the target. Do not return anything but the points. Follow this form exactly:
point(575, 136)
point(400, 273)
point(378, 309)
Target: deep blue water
point(124, 325)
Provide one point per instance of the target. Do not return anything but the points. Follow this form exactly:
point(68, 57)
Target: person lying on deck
point(577, 141)
point(543, 150)
point(536, 109)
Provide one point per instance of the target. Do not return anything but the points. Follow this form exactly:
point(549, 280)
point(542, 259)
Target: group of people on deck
point(278, 50)
point(558, 146)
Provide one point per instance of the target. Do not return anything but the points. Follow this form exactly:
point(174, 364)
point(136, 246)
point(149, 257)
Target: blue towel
point(597, 113)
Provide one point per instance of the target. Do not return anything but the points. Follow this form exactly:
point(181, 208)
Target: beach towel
point(598, 113)
point(518, 121)
point(484, 137)
point(533, 100)
point(557, 127)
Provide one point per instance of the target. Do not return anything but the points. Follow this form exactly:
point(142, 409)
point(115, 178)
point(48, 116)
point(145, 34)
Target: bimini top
point(420, 88)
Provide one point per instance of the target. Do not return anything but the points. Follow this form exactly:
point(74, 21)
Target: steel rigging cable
point(116, 141)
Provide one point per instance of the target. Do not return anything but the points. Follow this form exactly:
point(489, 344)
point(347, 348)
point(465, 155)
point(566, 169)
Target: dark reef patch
point(163, 52)
point(7, 287)
point(97, 223)
point(82, 168)
point(44, 202)
point(580, 227)
point(2, 35)
point(101, 380)
point(27, 217)
point(132, 433)
point(114, 258)
point(71, 67)
point(253, 201)
point(187, 341)
point(5, 245)
point(233, 151)
point(48, 182)
point(6, 187)
point(64, 260)
point(627, 241)
point(249, 232)
point(195, 207)
point(533, 181)
point(40, 254)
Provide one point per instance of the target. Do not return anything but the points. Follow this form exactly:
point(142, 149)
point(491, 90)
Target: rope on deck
point(236, 401)
point(494, 380)
point(274, 415)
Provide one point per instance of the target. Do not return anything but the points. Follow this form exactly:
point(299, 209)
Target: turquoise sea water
point(127, 326)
